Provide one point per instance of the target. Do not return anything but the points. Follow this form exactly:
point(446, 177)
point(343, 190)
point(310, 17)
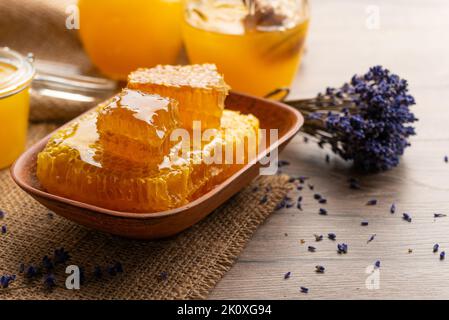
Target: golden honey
point(257, 53)
point(124, 155)
point(75, 165)
point(137, 125)
point(199, 89)
point(16, 73)
point(121, 36)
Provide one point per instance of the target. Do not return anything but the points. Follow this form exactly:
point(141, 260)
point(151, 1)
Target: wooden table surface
point(412, 41)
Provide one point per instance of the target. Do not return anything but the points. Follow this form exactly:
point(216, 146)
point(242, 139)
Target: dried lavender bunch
point(365, 120)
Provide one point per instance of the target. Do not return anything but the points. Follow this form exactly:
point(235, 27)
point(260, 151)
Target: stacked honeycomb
point(121, 155)
point(199, 89)
point(137, 125)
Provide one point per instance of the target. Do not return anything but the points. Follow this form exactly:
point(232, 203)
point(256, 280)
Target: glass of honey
point(121, 36)
point(256, 44)
point(16, 74)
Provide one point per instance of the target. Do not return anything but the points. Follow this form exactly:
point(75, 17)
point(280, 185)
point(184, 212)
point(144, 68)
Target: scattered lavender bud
point(354, 183)
point(82, 276)
point(311, 186)
point(291, 179)
point(31, 272)
point(300, 199)
point(118, 267)
point(317, 196)
point(287, 275)
point(50, 215)
point(342, 248)
point(311, 249)
point(319, 269)
point(371, 238)
point(163, 276)
point(439, 215)
point(283, 163)
point(407, 217)
point(289, 203)
point(354, 186)
point(97, 272)
point(286, 202)
point(442, 255)
point(322, 201)
point(332, 236)
point(364, 223)
point(6, 279)
point(60, 256)
point(410, 250)
point(304, 290)
point(371, 202)
point(446, 159)
point(280, 205)
point(49, 281)
point(393, 208)
point(436, 246)
point(111, 271)
point(22, 268)
point(327, 158)
point(298, 206)
point(302, 179)
point(47, 263)
point(377, 264)
point(318, 237)
point(2, 214)
point(322, 212)
point(299, 187)
point(4, 229)
point(264, 199)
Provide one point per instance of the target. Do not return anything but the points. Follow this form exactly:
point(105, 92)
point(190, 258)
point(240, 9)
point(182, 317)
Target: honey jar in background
point(120, 36)
point(256, 44)
point(16, 74)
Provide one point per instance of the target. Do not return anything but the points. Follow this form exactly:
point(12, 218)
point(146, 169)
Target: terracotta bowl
point(272, 115)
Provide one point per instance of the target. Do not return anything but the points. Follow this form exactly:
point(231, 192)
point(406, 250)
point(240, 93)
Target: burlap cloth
point(187, 266)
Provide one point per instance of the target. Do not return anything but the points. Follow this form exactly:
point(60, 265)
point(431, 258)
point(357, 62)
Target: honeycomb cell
point(75, 164)
point(137, 125)
point(199, 89)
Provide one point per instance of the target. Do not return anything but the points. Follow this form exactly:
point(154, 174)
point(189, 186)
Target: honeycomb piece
point(199, 89)
point(75, 165)
point(137, 125)
point(238, 141)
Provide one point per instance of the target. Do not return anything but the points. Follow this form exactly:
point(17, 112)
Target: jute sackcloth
point(186, 266)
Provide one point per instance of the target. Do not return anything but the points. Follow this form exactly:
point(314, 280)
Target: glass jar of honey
point(121, 36)
point(256, 44)
point(16, 74)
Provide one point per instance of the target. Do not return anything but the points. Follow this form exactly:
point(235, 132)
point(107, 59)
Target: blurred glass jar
point(120, 36)
point(256, 44)
point(16, 74)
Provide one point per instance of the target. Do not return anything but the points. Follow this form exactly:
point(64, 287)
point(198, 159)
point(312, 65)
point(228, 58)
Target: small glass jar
point(16, 74)
point(256, 44)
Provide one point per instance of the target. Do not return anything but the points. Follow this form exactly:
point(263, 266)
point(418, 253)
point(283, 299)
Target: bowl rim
point(23, 159)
